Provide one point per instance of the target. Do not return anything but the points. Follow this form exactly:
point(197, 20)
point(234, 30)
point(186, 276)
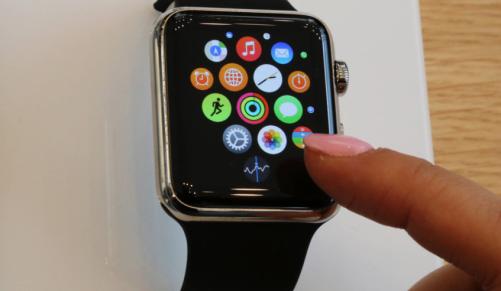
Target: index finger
point(449, 215)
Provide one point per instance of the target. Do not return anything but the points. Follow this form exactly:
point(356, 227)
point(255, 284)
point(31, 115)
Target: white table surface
point(77, 203)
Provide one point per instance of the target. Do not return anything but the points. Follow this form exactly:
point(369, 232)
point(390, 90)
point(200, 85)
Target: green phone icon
point(288, 109)
point(216, 107)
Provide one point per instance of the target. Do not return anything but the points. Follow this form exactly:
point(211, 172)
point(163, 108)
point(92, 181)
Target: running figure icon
point(217, 107)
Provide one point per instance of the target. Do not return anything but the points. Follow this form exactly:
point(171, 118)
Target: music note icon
point(249, 49)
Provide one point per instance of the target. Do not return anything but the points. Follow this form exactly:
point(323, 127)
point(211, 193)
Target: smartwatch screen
point(244, 90)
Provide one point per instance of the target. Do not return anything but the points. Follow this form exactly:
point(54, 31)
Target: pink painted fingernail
point(337, 145)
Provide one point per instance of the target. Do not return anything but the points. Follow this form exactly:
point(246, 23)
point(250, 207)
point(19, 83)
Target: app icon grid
point(253, 108)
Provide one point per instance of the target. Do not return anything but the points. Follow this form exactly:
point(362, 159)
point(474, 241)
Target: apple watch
point(238, 86)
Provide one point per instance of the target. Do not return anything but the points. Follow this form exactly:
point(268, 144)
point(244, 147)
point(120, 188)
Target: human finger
point(447, 214)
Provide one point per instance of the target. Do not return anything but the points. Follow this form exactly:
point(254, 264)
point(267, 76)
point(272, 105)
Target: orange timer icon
point(299, 82)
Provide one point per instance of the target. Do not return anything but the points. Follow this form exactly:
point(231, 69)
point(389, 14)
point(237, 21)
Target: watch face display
point(243, 92)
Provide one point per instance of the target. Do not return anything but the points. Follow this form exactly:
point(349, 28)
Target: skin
point(445, 213)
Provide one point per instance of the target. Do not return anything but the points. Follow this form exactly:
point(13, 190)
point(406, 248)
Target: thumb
point(448, 215)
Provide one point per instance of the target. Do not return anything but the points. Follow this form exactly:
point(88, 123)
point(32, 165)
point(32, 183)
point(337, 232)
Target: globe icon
point(233, 77)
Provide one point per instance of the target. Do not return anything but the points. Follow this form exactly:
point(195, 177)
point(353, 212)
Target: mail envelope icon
point(282, 53)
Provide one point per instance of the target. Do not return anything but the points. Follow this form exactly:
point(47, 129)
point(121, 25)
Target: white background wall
point(77, 203)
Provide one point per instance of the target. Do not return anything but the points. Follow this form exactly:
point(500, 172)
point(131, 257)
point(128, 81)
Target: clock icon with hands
point(268, 78)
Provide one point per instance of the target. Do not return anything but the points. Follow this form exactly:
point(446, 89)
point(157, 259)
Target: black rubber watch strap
point(238, 256)
point(245, 256)
point(162, 5)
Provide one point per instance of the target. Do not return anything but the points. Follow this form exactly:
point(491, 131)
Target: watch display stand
point(78, 209)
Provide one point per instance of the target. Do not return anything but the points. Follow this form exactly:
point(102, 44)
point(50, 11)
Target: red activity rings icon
point(249, 49)
point(253, 108)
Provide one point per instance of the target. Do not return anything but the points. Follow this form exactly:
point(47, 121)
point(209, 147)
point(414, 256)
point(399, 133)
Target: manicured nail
point(337, 145)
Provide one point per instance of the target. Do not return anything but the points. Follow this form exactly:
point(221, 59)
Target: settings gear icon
point(237, 139)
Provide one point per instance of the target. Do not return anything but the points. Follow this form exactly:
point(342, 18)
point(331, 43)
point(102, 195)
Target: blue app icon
point(216, 51)
point(282, 53)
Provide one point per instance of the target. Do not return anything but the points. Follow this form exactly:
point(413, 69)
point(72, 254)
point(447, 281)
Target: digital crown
point(342, 77)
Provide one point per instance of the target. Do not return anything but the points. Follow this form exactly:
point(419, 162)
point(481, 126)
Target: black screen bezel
point(169, 191)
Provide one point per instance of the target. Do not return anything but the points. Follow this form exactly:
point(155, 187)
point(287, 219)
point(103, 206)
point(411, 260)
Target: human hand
point(445, 213)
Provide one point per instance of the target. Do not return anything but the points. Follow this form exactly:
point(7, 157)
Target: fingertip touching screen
point(243, 91)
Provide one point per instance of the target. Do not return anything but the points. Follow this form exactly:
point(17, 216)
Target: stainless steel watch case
point(165, 191)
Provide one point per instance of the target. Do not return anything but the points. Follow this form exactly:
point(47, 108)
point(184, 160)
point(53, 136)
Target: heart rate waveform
point(257, 169)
